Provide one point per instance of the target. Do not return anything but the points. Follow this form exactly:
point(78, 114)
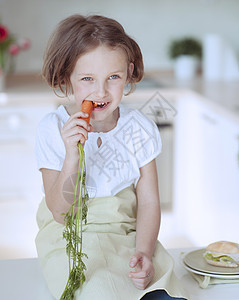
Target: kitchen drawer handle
point(164, 125)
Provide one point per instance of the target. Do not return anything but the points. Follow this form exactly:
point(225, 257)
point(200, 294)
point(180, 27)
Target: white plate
point(211, 274)
point(195, 262)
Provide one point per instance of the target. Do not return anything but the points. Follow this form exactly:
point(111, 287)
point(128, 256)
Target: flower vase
point(186, 67)
point(2, 81)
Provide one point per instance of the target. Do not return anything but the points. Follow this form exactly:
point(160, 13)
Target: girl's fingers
point(141, 283)
point(144, 272)
point(77, 122)
point(91, 128)
point(138, 275)
point(73, 140)
point(134, 261)
point(79, 114)
point(75, 130)
point(74, 135)
point(141, 275)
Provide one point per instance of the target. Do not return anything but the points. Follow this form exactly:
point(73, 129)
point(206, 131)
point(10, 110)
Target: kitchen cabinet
point(162, 111)
point(20, 184)
point(206, 173)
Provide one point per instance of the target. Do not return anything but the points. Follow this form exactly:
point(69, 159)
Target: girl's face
point(100, 76)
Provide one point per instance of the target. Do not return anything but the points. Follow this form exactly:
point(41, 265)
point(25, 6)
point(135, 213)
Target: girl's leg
point(159, 295)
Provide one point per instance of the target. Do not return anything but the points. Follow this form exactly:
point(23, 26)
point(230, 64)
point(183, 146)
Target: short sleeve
point(49, 146)
point(148, 145)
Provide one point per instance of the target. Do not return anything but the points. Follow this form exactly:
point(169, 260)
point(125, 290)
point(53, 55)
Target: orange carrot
point(87, 106)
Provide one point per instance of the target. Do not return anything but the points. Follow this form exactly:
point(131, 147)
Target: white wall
point(152, 23)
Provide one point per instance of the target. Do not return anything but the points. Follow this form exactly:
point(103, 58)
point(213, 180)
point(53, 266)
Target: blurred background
point(190, 50)
point(153, 24)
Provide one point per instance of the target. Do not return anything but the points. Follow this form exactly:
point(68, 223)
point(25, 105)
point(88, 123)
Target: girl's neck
point(108, 124)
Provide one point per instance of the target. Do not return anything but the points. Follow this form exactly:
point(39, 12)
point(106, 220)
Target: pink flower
point(3, 33)
point(24, 44)
point(14, 49)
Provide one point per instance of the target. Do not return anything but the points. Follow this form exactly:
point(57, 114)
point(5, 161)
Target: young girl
point(93, 59)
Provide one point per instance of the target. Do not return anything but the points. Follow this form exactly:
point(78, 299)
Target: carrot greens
point(74, 219)
point(74, 223)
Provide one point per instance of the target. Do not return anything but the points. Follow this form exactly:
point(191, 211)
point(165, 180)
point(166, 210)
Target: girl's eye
point(114, 76)
point(86, 78)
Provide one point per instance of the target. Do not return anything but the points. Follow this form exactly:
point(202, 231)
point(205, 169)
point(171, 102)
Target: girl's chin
point(95, 117)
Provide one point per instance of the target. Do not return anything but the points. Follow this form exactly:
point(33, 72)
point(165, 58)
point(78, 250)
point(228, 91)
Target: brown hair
point(77, 35)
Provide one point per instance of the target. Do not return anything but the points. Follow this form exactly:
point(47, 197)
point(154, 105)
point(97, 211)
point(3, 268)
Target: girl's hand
point(144, 270)
point(74, 131)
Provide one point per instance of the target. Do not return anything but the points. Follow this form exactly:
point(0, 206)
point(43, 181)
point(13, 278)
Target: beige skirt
point(109, 242)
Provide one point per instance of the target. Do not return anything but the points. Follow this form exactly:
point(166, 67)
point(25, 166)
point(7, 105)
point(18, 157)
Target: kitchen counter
point(22, 279)
point(31, 89)
point(224, 93)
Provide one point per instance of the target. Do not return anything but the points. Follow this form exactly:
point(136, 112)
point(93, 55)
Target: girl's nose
point(101, 89)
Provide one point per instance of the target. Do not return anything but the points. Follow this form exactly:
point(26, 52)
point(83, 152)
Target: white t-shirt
point(115, 165)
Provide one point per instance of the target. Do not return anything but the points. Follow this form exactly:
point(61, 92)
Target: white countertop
point(221, 92)
point(22, 279)
point(223, 97)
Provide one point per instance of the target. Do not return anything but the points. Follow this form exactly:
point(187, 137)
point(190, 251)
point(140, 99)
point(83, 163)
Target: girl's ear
point(130, 72)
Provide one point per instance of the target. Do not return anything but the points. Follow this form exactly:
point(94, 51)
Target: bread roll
point(223, 247)
point(218, 254)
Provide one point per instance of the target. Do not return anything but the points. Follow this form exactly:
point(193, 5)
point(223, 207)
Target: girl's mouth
point(99, 105)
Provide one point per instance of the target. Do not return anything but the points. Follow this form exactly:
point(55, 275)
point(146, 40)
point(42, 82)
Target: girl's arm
point(56, 182)
point(147, 226)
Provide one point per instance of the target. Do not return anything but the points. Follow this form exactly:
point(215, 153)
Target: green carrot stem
point(74, 223)
point(80, 202)
point(81, 218)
